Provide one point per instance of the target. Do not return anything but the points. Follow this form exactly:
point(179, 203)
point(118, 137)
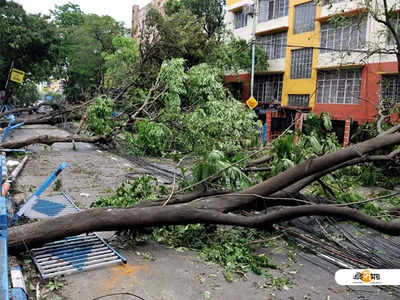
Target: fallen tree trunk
point(209, 210)
point(28, 109)
point(307, 168)
point(104, 219)
point(49, 140)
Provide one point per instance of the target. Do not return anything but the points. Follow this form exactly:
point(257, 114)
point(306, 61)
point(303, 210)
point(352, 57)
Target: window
point(395, 21)
point(390, 86)
point(268, 88)
point(347, 37)
point(304, 17)
point(240, 19)
point(299, 100)
point(272, 9)
point(339, 86)
point(274, 44)
point(301, 64)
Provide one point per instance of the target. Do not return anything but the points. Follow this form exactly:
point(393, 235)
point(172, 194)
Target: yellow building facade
point(294, 41)
point(313, 64)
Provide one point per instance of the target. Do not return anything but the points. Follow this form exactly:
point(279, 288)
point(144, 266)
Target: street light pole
point(253, 48)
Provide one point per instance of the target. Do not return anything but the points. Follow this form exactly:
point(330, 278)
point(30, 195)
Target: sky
point(121, 10)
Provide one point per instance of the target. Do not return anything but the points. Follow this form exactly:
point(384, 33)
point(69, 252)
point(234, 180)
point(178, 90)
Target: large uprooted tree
point(186, 109)
point(220, 209)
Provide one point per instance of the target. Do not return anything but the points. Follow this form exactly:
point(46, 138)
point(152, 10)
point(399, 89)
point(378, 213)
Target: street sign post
point(252, 102)
point(17, 75)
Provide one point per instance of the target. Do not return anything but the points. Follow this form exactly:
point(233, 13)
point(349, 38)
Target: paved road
point(172, 275)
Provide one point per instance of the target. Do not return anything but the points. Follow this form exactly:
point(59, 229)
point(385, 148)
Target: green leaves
point(196, 114)
point(173, 77)
point(130, 193)
point(204, 84)
point(234, 55)
point(230, 248)
point(216, 161)
point(316, 139)
point(122, 63)
point(86, 41)
point(31, 41)
point(152, 138)
point(99, 118)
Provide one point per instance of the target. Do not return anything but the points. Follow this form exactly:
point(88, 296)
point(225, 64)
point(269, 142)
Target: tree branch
point(107, 219)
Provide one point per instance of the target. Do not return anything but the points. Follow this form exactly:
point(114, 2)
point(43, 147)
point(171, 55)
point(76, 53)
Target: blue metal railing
point(49, 180)
point(11, 121)
point(4, 292)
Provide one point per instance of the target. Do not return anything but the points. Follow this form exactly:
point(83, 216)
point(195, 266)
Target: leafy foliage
point(152, 138)
point(67, 15)
point(210, 12)
point(31, 41)
point(165, 37)
point(214, 162)
point(99, 118)
point(131, 193)
point(86, 40)
point(234, 55)
point(173, 77)
point(287, 153)
point(121, 64)
point(230, 248)
point(197, 114)
point(183, 33)
point(26, 94)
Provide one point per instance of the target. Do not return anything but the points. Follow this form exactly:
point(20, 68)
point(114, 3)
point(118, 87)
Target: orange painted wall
point(365, 111)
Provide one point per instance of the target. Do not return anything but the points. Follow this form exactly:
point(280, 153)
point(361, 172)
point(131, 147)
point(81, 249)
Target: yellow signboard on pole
point(17, 75)
point(252, 102)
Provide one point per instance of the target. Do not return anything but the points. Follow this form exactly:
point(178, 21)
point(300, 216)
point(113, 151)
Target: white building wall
point(376, 37)
point(335, 8)
point(276, 65)
point(272, 24)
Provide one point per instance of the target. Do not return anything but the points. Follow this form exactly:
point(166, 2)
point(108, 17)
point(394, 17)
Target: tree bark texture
point(211, 209)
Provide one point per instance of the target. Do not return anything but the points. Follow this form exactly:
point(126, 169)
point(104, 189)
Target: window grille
point(390, 87)
point(268, 88)
point(347, 37)
point(395, 22)
point(339, 86)
point(274, 44)
point(240, 19)
point(299, 100)
point(301, 63)
point(304, 17)
point(272, 9)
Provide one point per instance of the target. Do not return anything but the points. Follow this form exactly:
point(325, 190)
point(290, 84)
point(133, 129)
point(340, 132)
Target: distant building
point(139, 15)
point(315, 65)
point(54, 85)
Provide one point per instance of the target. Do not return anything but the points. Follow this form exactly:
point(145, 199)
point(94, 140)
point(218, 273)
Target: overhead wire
point(328, 48)
point(119, 294)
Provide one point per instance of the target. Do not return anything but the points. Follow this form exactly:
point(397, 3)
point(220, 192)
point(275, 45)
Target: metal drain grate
point(72, 254)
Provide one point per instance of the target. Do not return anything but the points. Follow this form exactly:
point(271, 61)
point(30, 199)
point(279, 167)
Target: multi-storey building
point(314, 64)
point(139, 15)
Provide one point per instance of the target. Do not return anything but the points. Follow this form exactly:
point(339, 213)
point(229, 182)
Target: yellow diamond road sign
point(17, 75)
point(252, 102)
